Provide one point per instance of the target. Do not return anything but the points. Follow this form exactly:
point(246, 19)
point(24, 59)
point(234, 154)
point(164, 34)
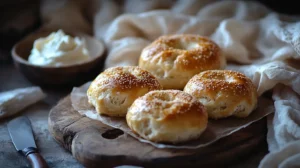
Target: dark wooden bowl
point(72, 75)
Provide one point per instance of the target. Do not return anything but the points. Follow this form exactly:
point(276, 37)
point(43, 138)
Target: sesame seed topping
point(203, 55)
point(165, 103)
point(127, 77)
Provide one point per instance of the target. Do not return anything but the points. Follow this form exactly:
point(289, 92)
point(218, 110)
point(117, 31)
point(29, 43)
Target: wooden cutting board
point(97, 145)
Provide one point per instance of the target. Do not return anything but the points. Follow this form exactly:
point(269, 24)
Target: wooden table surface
point(54, 154)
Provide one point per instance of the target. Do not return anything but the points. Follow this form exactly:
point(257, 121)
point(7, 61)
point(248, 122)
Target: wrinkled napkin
point(255, 40)
point(14, 101)
point(283, 130)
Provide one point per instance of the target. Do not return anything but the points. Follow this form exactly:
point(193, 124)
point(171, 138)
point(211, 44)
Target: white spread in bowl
point(58, 49)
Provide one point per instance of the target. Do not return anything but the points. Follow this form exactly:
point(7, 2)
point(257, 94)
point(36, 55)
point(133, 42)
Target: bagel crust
point(224, 93)
point(175, 59)
point(114, 90)
point(167, 116)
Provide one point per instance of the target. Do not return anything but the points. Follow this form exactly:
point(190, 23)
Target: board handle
point(35, 158)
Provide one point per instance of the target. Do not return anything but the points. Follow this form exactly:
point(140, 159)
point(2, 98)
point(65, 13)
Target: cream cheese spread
point(58, 49)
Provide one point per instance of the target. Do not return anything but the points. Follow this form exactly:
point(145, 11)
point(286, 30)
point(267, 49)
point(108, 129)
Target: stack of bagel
point(179, 84)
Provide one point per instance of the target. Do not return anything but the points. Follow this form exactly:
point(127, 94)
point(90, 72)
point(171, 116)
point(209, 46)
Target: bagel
point(170, 116)
point(224, 93)
point(175, 59)
point(114, 90)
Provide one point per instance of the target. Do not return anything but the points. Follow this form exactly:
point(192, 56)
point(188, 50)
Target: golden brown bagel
point(167, 116)
point(224, 93)
point(115, 89)
point(175, 59)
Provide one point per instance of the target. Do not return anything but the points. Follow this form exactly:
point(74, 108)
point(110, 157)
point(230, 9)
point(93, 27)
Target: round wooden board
point(97, 145)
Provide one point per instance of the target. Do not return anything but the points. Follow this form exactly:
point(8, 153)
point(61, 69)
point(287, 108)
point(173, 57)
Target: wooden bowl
point(74, 74)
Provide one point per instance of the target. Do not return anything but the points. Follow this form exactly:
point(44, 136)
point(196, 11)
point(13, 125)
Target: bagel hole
point(219, 77)
point(186, 45)
point(112, 134)
point(230, 79)
point(191, 46)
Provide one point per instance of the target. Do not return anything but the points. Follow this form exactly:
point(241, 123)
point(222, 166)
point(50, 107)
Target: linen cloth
point(256, 41)
point(14, 101)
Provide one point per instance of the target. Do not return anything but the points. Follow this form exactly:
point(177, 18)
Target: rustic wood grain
point(84, 138)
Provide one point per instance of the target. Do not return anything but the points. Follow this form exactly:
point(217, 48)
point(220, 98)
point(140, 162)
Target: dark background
point(290, 7)
point(14, 22)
